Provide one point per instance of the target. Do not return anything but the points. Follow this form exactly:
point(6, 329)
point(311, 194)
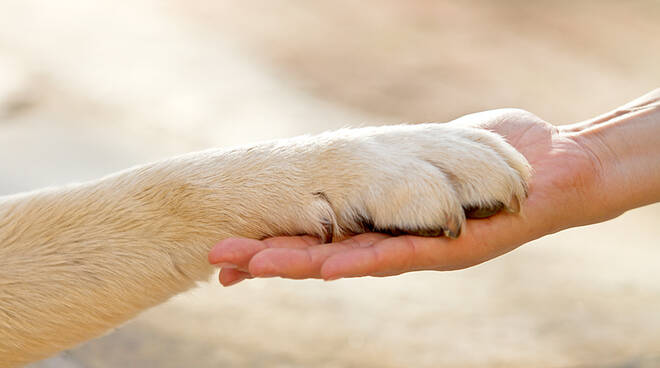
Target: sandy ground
point(87, 88)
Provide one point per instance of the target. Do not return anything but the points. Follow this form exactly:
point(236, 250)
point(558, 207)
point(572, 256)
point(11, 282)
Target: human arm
point(583, 173)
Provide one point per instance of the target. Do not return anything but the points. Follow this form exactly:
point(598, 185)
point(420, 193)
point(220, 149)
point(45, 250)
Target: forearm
point(78, 260)
point(626, 144)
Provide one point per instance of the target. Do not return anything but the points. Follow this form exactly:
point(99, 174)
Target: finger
point(237, 252)
point(232, 276)
point(298, 263)
point(388, 257)
point(481, 240)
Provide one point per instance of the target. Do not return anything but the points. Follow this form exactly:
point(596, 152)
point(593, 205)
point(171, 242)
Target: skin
point(583, 173)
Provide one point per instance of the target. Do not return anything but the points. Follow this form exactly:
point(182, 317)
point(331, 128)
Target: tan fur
point(77, 260)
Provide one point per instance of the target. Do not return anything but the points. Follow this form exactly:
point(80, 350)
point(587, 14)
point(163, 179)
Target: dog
point(78, 260)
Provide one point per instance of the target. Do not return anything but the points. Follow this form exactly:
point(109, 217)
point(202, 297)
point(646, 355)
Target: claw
point(454, 228)
point(514, 205)
point(329, 231)
point(453, 234)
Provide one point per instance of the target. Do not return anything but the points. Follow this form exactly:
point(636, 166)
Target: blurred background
point(87, 88)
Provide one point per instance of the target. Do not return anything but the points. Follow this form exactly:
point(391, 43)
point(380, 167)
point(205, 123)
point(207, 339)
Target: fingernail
point(235, 282)
point(225, 265)
point(332, 278)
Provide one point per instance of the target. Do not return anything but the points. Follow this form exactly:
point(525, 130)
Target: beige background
point(87, 88)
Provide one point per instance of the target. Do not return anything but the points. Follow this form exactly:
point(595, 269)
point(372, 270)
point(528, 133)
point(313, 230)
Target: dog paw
point(416, 179)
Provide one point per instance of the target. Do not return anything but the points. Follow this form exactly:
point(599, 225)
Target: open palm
point(559, 197)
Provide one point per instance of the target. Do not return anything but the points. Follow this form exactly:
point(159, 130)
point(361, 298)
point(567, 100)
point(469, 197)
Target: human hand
point(561, 194)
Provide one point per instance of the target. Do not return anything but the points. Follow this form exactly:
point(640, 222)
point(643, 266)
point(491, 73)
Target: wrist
point(623, 145)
